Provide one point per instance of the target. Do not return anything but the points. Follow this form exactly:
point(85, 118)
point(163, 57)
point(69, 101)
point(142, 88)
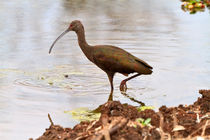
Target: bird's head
point(75, 25)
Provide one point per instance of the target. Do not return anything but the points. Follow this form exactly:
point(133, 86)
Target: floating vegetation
point(83, 114)
point(2, 75)
point(57, 77)
point(142, 108)
point(194, 6)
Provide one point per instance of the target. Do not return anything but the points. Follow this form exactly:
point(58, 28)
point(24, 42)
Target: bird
point(110, 59)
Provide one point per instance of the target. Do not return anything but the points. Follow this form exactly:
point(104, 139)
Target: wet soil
point(119, 122)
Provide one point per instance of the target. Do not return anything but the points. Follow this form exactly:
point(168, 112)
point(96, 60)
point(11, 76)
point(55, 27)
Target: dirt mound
point(121, 121)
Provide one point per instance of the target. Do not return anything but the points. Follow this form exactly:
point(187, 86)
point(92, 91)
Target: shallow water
point(32, 82)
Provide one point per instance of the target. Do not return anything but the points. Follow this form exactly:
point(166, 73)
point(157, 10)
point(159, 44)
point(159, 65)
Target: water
point(32, 82)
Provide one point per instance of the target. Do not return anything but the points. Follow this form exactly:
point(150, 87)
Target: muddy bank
point(126, 122)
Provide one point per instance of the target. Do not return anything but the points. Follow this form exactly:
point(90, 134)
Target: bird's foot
point(123, 86)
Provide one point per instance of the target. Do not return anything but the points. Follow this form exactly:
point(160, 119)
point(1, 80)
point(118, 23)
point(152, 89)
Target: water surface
point(32, 82)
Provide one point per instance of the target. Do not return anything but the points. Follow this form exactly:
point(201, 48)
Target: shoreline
point(126, 122)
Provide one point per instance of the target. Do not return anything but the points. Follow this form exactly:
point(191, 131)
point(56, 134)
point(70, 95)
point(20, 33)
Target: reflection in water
point(32, 82)
point(133, 99)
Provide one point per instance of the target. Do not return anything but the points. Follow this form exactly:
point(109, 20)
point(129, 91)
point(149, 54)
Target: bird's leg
point(110, 76)
point(123, 86)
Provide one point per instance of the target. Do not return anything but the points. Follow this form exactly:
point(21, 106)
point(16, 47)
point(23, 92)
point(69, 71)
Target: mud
point(119, 122)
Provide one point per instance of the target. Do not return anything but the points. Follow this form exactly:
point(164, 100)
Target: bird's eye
point(71, 25)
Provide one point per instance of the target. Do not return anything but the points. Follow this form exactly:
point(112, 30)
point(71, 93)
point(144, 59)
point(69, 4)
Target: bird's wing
point(143, 62)
point(110, 58)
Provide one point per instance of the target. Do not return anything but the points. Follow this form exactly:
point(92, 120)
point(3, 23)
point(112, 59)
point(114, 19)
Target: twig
point(161, 125)
point(112, 130)
point(204, 128)
point(81, 137)
point(106, 134)
point(118, 126)
point(145, 138)
point(162, 133)
point(175, 119)
point(92, 124)
point(50, 120)
point(98, 137)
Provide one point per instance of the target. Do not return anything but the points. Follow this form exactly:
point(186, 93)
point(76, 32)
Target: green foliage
point(143, 121)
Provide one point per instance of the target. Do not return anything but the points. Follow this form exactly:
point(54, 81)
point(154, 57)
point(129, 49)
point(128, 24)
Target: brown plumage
point(109, 58)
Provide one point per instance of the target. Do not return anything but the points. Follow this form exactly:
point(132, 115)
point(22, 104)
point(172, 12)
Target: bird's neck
point(87, 49)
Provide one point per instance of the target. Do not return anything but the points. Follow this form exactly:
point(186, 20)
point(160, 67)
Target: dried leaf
point(178, 128)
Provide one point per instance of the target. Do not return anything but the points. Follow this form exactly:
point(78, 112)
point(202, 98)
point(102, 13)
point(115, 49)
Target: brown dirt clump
point(119, 122)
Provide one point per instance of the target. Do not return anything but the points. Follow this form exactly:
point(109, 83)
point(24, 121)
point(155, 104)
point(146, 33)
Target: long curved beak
point(66, 31)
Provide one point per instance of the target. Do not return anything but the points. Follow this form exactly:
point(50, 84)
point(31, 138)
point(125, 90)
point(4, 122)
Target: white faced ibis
point(109, 58)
